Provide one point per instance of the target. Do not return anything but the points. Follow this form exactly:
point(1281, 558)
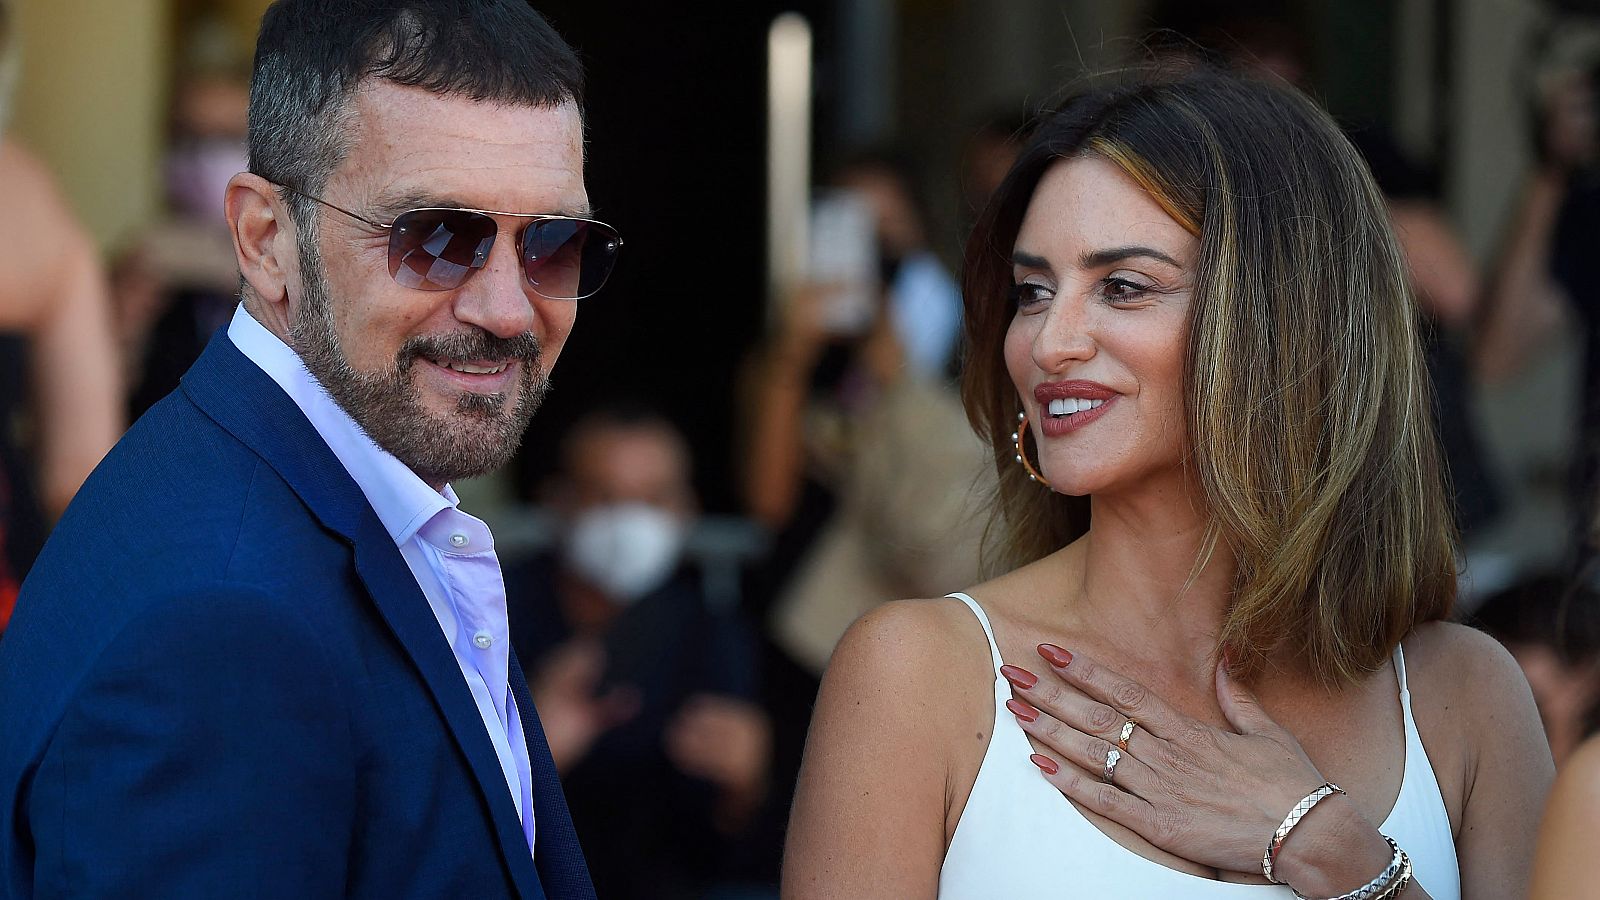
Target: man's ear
point(263, 238)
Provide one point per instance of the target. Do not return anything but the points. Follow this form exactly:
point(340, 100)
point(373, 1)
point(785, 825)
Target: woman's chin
point(1072, 484)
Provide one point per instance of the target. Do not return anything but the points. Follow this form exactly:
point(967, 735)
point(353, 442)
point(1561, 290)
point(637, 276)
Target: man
point(634, 673)
point(264, 654)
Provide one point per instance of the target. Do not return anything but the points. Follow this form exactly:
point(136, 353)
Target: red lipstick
point(1056, 426)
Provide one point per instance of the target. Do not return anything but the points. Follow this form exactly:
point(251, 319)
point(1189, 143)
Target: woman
point(1238, 520)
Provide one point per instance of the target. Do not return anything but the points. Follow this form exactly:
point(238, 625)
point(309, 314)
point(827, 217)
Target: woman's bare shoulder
point(873, 800)
point(912, 638)
point(1473, 708)
point(1462, 668)
point(1465, 686)
point(912, 668)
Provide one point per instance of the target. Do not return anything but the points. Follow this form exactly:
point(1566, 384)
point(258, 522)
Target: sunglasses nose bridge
point(495, 296)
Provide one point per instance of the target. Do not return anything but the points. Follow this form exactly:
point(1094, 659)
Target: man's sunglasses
point(439, 248)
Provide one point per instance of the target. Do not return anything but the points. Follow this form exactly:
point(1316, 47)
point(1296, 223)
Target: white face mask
point(626, 550)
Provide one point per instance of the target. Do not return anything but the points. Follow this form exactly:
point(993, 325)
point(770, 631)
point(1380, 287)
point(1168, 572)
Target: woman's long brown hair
point(1309, 410)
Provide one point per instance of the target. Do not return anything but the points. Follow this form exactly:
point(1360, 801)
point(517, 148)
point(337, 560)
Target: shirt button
point(458, 540)
point(483, 640)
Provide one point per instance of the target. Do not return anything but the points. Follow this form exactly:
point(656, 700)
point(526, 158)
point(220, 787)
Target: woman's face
point(1100, 318)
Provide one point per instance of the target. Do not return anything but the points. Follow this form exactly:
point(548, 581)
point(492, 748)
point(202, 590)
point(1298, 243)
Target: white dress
point(1020, 838)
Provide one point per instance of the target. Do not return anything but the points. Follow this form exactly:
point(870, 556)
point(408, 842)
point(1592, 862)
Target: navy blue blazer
point(222, 680)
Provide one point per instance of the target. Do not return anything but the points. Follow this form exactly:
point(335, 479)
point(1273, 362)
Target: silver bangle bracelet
point(1389, 883)
point(1290, 821)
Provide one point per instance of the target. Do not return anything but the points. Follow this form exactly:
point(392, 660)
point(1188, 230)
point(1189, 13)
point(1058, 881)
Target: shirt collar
point(402, 500)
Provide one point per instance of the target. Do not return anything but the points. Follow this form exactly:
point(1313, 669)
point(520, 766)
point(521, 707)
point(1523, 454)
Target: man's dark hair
point(312, 56)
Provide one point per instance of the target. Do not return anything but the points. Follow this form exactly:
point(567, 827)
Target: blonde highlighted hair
point(1309, 410)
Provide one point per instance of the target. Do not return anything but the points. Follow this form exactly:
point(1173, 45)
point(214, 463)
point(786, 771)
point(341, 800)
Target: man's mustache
point(469, 346)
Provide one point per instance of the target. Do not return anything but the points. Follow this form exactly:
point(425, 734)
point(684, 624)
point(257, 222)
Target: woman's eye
point(1028, 294)
point(1121, 290)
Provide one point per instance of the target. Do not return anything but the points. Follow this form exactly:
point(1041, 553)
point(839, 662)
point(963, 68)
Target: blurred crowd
point(683, 649)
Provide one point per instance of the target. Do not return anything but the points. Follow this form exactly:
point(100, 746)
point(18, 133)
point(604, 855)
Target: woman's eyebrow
point(1098, 259)
point(1024, 259)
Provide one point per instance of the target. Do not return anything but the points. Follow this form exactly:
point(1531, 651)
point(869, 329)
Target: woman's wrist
point(1334, 850)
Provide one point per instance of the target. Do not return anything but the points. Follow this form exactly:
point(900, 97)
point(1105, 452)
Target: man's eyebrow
point(1098, 259)
point(394, 204)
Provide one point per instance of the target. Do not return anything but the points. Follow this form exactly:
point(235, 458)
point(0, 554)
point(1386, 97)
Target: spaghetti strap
point(1009, 797)
point(1400, 669)
point(988, 632)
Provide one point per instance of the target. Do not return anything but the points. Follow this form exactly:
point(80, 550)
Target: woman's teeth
point(1070, 405)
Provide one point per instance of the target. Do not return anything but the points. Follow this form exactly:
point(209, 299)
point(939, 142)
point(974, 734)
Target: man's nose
point(497, 297)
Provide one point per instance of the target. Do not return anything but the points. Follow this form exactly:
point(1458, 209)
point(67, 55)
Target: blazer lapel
point(559, 856)
point(241, 398)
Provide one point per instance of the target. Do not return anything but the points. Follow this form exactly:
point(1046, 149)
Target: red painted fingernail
point(1022, 710)
point(1022, 678)
point(1057, 656)
point(1045, 763)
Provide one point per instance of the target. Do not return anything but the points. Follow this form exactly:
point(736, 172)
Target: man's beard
point(481, 434)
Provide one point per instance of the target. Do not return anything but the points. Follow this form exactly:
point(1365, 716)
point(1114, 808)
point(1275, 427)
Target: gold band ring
point(1127, 732)
point(1112, 757)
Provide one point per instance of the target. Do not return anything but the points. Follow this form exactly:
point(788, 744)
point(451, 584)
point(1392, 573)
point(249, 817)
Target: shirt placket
point(470, 572)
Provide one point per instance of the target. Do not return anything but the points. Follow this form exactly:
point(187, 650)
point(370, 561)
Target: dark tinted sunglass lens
point(600, 252)
point(436, 249)
point(568, 259)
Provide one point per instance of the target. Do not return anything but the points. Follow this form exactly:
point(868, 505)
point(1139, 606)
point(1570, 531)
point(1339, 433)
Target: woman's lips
point(1056, 426)
point(1046, 391)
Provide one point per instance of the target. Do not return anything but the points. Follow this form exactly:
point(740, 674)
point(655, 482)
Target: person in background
point(860, 461)
point(814, 385)
point(646, 694)
point(1546, 273)
point(60, 384)
point(177, 286)
point(923, 304)
point(1563, 866)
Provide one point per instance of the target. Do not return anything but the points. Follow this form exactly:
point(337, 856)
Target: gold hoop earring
point(1022, 455)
